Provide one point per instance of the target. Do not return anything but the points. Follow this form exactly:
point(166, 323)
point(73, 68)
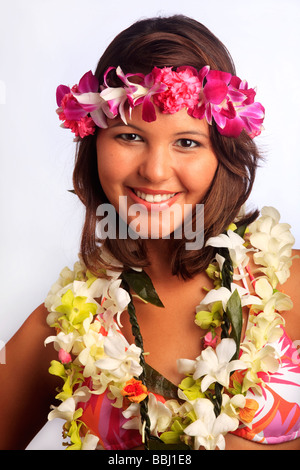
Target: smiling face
point(160, 165)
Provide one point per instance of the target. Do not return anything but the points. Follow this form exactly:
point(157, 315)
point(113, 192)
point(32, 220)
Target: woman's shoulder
point(292, 288)
point(292, 283)
point(27, 364)
point(30, 338)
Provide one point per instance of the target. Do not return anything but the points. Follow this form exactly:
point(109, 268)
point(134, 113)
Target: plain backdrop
point(45, 43)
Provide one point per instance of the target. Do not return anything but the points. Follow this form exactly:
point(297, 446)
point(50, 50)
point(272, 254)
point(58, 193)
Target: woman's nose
point(156, 165)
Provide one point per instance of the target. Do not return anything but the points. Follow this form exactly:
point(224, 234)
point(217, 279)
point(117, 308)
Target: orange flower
point(134, 390)
point(236, 381)
point(247, 413)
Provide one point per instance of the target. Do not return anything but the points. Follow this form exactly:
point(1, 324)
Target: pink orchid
point(231, 104)
point(154, 86)
point(116, 97)
point(227, 100)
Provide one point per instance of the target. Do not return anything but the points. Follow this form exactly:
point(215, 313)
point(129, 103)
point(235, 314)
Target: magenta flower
point(73, 113)
point(153, 86)
point(227, 100)
point(231, 104)
point(183, 90)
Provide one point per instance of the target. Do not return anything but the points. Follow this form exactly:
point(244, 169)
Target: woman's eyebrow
point(122, 124)
point(189, 132)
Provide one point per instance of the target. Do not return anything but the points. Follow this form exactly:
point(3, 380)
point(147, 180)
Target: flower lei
point(210, 401)
point(209, 94)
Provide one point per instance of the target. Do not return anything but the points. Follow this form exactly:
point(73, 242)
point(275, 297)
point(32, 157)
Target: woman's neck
point(158, 252)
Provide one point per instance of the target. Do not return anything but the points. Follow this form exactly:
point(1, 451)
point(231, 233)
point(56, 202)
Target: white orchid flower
point(208, 430)
point(235, 244)
point(89, 442)
point(132, 414)
point(271, 303)
point(275, 266)
point(265, 331)
point(90, 349)
point(67, 409)
point(275, 241)
point(121, 360)
point(223, 294)
point(267, 232)
point(231, 406)
point(270, 299)
point(119, 295)
point(116, 298)
point(160, 416)
point(63, 341)
point(216, 365)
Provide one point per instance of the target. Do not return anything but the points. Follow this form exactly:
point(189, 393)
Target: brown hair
point(171, 41)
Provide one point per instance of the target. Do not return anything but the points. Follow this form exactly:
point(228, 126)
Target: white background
point(45, 43)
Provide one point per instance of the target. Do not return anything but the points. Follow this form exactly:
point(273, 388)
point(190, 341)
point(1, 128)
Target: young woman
point(173, 328)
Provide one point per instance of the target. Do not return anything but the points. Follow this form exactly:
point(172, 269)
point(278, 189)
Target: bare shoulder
point(292, 288)
point(27, 389)
point(31, 335)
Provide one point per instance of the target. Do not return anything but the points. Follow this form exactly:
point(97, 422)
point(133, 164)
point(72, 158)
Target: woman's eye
point(187, 143)
point(130, 137)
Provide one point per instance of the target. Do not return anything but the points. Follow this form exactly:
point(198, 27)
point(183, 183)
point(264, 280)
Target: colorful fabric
point(277, 419)
point(105, 421)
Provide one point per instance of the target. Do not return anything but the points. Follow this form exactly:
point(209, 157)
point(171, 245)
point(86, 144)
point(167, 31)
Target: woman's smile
point(153, 200)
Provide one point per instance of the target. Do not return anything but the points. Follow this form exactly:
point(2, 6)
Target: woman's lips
point(153, 199)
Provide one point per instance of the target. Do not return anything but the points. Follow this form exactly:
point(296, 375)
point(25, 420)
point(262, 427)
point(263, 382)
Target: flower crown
point(209, 94)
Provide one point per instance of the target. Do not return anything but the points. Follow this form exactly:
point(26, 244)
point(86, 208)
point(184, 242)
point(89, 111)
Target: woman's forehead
point(178, 123)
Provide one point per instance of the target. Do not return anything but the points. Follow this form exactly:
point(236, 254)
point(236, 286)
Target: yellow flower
point(75, 310)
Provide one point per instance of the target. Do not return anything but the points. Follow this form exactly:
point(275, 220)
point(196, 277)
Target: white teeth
point(154, 197)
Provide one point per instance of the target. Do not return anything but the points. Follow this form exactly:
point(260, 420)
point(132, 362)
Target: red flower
point(134, 390)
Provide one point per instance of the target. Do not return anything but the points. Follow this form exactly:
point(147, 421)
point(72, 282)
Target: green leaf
point(241, 230)
point(142, 285)
point(156, 444)
point(227, 269)
point(157, 383)
point(235, 315)
point(57, 368)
